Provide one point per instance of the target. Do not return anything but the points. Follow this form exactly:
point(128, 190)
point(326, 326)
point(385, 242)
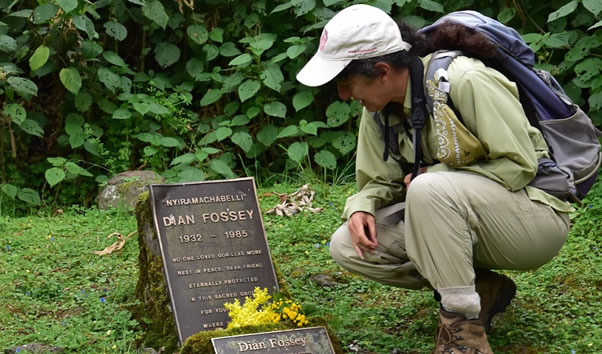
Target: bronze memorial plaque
point(214, 249)
point(312, 340)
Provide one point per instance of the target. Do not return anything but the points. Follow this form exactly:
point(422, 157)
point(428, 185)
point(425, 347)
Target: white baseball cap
point(357, 32)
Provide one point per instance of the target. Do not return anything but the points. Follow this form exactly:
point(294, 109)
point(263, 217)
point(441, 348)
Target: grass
point(58, 292)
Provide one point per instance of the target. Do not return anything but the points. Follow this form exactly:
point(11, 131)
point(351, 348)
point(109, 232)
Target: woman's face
point(372, 93)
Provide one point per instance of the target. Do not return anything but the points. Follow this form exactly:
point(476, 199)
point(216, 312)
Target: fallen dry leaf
point(294, 203)
point(116, 246)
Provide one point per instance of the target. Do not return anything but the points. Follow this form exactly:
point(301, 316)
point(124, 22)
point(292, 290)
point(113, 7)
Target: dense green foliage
point(206, 89)
point(55, 291)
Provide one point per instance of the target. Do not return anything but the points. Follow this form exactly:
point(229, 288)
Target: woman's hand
point(408, 177)
point(362, 227)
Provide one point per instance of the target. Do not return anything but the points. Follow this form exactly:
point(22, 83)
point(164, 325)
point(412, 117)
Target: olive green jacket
point(488, 104)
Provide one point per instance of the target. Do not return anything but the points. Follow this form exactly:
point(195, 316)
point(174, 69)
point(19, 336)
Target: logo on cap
point(323, 40)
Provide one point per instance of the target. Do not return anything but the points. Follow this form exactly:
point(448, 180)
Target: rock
point(35, 348)
point(297, 273)
point(324, 280)
point(123, 189)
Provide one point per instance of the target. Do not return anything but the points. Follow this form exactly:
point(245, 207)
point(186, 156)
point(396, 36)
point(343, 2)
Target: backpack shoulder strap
point(437, 69)
point(419, 110)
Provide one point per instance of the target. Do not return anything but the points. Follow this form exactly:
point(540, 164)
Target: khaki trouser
point(455, 222)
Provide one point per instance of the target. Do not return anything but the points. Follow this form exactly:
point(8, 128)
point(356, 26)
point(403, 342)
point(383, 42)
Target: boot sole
point(503, 299)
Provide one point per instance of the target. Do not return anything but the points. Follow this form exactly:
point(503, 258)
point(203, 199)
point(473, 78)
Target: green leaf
point(595, 101)
point(267, 135)
point(194, 68)
point(15, 112)
point(71, 79)
point(593, 6)
point(25, 13)
point(222, 133)
point(312, 127)
point(291, 130)
point(345, 143)
point(122, 113)
point(54, 175)
point(155, 12)
point(241, 59)
point(76, 140)
point(114, 58)
point(431, 5)
point(72, 121)
point(198, 33)
point(185, 159)
point(338, 113)
point(596, 25)
point(253, 111)
point(217, 34)
point(211, 51)
point(297, 151)
point(531, 37)
point(212, 96)
point(44, 12)
point(83, 23)
point(326, 159)
point(582, 48)
point(74, 169)
point(557, 40)
point(242, 139)
point(67, 5)
point(23, 86)
point(229, 49)
point(275, 109)
point(295, 50)
point(29, 196)
point(221, 168)
point(240, 120)
point(302, 99)
point(588, 69)
point(9, 190)
point(563, 11)
point(272, 77)
point(90, 49)
point(116, 30)
point(166, 54)
point(288, 5)
point(304, 6)
point(247, 89)
point(262, 42)
point(39, 57)
point(158, 109)
point(168, 141)
point(506, 14)
point(111, 80)
point(7, 44)
point(92, 147)
point(56, 161)
point(191, 174)
point(83, 101)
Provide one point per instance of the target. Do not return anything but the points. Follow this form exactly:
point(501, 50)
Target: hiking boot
point(456, 334)
point(496, 292)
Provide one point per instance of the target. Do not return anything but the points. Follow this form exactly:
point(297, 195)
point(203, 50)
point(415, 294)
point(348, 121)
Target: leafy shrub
point(202, 90)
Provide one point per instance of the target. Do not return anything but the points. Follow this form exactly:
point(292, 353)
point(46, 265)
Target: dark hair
point(445, 36)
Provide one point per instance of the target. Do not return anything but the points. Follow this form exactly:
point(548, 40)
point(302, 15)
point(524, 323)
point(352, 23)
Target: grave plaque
point(214, 249)
point(313, 340)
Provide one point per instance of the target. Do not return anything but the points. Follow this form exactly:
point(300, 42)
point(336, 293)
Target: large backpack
point(570, 134)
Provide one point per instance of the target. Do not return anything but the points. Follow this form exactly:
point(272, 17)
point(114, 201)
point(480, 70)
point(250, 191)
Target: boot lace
point(447, 338)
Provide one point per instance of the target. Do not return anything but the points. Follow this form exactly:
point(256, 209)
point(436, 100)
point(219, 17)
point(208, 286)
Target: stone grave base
point(154, 309)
